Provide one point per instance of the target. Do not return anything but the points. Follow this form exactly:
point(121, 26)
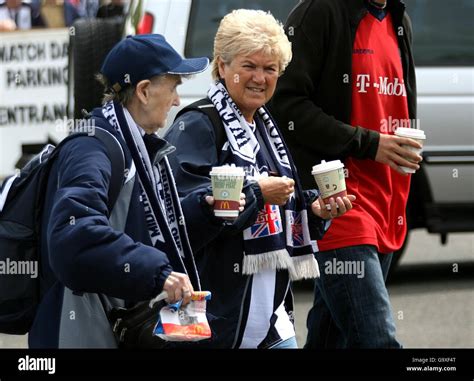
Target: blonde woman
point(248, 264)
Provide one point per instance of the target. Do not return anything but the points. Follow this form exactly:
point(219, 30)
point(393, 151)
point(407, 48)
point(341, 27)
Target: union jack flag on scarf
point(268, 222)
point(297, 229)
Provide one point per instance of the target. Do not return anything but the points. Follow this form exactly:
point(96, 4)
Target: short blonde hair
point(246, 31)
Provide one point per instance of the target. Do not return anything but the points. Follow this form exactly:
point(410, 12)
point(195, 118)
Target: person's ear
point(221, 67)
point(142, 91)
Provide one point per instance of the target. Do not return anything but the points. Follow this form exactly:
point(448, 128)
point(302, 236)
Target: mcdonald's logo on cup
point(226, 208)
point(225, 205)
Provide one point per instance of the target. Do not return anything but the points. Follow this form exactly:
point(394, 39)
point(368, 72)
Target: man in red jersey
point(352, 75)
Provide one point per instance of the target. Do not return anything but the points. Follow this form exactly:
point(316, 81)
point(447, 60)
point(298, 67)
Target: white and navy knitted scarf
point(158, 194)
point(267, 244)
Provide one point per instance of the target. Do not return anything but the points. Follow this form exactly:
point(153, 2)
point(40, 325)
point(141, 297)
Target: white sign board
point(33, 90)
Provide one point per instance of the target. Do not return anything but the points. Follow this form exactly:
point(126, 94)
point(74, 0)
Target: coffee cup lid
point(228, 170)
point(326, 166)
point(410, 133)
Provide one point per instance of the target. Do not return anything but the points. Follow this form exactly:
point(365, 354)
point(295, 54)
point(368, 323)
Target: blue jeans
point(351, 305)
point(286, 344)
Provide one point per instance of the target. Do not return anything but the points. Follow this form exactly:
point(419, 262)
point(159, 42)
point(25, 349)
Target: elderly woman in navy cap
point(248, 264)
point(94, 257)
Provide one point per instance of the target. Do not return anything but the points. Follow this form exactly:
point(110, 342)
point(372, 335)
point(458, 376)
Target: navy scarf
point(159, 196)
point(272, 242)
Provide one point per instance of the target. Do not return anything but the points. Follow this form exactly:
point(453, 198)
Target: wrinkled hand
point(344, 203)
point(276, 190)
point(7, 25)
point(210, 200)
point(178, 286)
point(391, 152)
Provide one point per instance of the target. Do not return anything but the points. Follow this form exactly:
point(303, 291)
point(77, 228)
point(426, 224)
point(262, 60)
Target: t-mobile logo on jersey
point(383, 85)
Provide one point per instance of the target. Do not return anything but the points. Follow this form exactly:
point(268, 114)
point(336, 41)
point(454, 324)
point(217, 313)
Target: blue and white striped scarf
point(159, 196)
point(267, 244)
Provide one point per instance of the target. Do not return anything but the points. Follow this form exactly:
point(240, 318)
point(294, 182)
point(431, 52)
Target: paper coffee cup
point(227, 182)
point(412, 133)
point(330, 179)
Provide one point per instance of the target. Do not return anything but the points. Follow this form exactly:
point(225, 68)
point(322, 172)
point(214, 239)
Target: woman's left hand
point(338, 207)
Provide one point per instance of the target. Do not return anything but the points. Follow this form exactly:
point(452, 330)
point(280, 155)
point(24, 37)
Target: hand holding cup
point(339, 206)
point(401, 151)
point(329, 177)
point(412, 145)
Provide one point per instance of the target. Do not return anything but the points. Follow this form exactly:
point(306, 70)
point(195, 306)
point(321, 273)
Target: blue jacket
point(218, 248)
point(90, 261)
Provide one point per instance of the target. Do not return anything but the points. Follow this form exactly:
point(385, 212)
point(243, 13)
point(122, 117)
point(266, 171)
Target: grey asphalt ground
point(433, 306)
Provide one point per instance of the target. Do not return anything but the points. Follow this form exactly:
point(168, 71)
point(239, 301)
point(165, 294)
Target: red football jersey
point(379, 103)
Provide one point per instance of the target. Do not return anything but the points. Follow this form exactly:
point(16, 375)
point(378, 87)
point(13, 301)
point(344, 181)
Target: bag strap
point(115, 155)
point(117, 160)
point(205, 106)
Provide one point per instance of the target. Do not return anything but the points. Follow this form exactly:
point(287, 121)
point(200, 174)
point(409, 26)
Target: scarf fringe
point(304, 267)
point(274, 260)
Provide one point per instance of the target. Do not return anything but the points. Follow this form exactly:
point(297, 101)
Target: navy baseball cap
point(142, 57)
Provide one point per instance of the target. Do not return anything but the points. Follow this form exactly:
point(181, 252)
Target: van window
point(207, 14)
point(442, 32)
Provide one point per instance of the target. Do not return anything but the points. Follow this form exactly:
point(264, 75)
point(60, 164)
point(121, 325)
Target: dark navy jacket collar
point(157, 147)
